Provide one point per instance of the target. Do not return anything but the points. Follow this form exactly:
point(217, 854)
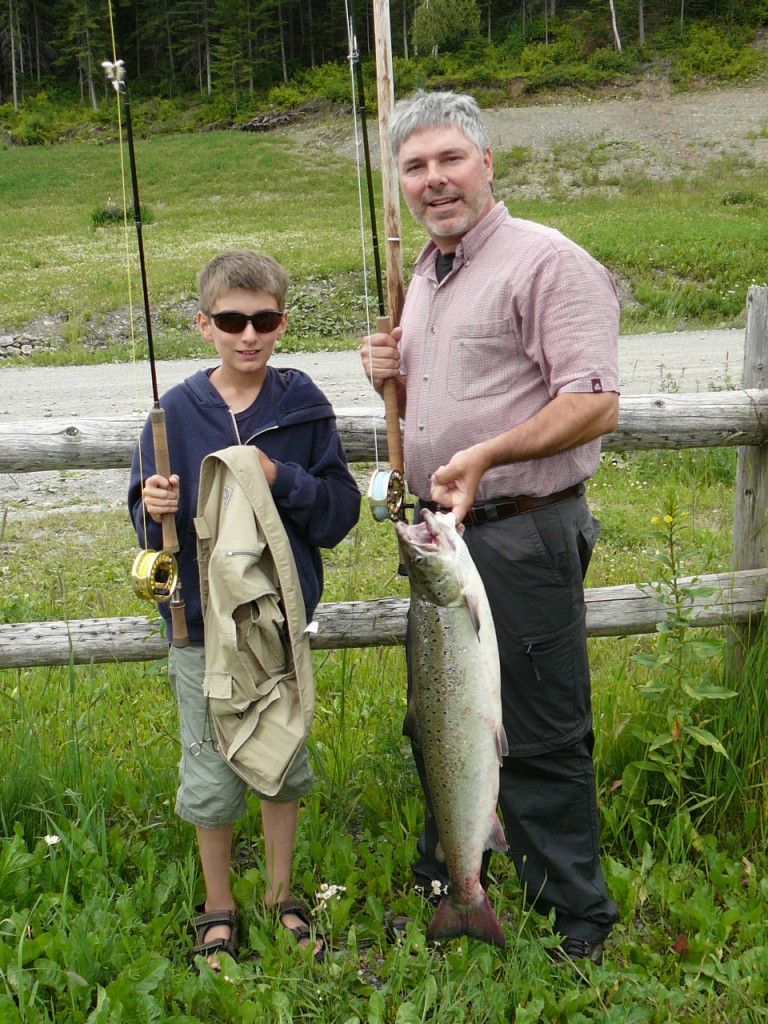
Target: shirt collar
point(470, 244)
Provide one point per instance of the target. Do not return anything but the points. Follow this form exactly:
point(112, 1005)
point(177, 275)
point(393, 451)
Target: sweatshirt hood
point(293, 395)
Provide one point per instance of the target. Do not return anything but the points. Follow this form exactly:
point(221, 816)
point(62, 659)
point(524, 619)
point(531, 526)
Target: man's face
point(446, 182)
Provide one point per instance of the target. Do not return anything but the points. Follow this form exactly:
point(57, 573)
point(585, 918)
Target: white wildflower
point(52, 840)
point(329, 892)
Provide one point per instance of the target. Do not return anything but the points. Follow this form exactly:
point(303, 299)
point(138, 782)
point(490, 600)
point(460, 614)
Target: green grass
point(208, 192)
point(92, 928)
point(672, 245)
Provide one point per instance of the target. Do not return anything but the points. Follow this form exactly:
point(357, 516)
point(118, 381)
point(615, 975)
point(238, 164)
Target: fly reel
point(155, 575)
point(386, 495)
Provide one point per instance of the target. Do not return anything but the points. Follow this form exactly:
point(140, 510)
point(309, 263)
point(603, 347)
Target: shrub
point(284, 97)
point(543, 56)
point(711, 53)
point(328, 81)
point(110, 215)
point(743, 197)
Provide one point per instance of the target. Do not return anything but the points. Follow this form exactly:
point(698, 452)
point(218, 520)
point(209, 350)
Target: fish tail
point(478, 921)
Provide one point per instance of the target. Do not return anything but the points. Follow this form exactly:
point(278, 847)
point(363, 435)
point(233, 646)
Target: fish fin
point(411, 725)
point(440, 852)
point(496, 839)
point(479, 922)
point(502, 747)
point(474, 612)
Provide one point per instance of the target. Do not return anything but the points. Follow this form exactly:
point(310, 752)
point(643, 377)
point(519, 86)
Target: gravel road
point(687, 361)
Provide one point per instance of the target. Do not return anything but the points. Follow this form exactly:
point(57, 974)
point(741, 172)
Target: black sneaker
point(572, 949)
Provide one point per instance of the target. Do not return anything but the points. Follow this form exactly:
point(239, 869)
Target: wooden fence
point(659, 421)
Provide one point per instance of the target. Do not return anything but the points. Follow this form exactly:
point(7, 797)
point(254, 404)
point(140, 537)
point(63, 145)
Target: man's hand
point(161, 495)
point(455, 485)
point(381, 356)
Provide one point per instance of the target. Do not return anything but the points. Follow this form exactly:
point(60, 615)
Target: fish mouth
point(429, 534)
point(420, 535)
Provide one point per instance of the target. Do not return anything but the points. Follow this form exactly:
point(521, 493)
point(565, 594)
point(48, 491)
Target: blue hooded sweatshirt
point(293, 423)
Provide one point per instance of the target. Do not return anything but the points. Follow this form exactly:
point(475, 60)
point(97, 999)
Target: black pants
point(533, 567)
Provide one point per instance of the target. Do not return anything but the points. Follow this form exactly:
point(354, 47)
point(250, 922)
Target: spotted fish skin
point(454, 715)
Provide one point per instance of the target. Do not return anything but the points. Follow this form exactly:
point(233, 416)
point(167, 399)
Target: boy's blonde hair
point(241, 270)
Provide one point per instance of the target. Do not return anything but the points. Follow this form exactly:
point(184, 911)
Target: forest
point(239, 54)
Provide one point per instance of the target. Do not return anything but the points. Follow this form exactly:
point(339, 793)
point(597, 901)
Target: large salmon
point(454, 715)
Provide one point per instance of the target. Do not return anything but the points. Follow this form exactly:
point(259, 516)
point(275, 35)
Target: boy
point(243, 400)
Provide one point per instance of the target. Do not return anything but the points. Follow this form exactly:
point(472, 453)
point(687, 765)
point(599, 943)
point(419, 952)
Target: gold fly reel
point(386, 495)
point(155, 575)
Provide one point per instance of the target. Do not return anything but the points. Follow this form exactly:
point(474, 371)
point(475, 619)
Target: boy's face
point(246, 351)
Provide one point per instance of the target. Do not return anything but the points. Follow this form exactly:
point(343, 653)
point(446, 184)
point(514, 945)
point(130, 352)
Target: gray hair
point(241, 270)
point(434, 110)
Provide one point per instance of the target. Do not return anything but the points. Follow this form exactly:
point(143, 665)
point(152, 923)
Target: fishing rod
point(354, 57)
point(155, 574)
point(386, 490)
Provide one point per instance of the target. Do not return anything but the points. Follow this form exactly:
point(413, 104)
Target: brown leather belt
point(490, 511)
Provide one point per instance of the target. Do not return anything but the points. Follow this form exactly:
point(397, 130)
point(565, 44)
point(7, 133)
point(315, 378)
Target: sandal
point(301, 932)
point(202, 924)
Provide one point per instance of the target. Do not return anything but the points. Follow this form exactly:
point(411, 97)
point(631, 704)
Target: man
point(506, 371)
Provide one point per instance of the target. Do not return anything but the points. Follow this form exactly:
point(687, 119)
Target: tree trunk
point(169, 42)
point(614, 26)
point(249, 47)
point(282, 44)
point(14, 80)
point(311, 30)
point(640, 22)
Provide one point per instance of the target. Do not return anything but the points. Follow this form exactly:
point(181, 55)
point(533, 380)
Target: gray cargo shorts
point(211, 794)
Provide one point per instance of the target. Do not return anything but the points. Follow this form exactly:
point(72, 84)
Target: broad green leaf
point(706, 739)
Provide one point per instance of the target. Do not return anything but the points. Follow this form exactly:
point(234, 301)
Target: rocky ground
point(648, 127)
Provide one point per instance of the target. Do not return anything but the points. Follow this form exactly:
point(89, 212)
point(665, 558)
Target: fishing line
point(357, 89)
point(155, 574)
point(112, 71)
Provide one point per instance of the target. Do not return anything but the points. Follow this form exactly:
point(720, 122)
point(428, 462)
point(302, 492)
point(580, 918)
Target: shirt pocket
point(483, 359)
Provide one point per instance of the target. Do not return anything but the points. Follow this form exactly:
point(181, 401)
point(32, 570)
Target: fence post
point(751, 496)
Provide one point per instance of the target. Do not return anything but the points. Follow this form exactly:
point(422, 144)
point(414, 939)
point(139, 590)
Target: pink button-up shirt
point(524, 314)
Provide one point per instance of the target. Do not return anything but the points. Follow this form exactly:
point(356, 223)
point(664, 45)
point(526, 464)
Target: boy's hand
point(270, 469)
point(161, 495)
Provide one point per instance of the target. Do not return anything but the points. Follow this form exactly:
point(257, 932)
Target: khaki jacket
point(258, 677)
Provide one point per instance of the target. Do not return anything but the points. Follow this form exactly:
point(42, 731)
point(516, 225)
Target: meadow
point(97, 875)
point(669, 242)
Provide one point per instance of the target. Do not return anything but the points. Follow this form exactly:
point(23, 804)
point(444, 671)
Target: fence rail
point(646, 422)
point(710, 419)
point(623, 610)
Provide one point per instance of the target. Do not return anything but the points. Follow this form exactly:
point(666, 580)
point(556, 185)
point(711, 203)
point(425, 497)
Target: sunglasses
point(263, 322)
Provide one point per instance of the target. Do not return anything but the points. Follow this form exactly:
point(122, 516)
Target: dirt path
point(663, 132)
